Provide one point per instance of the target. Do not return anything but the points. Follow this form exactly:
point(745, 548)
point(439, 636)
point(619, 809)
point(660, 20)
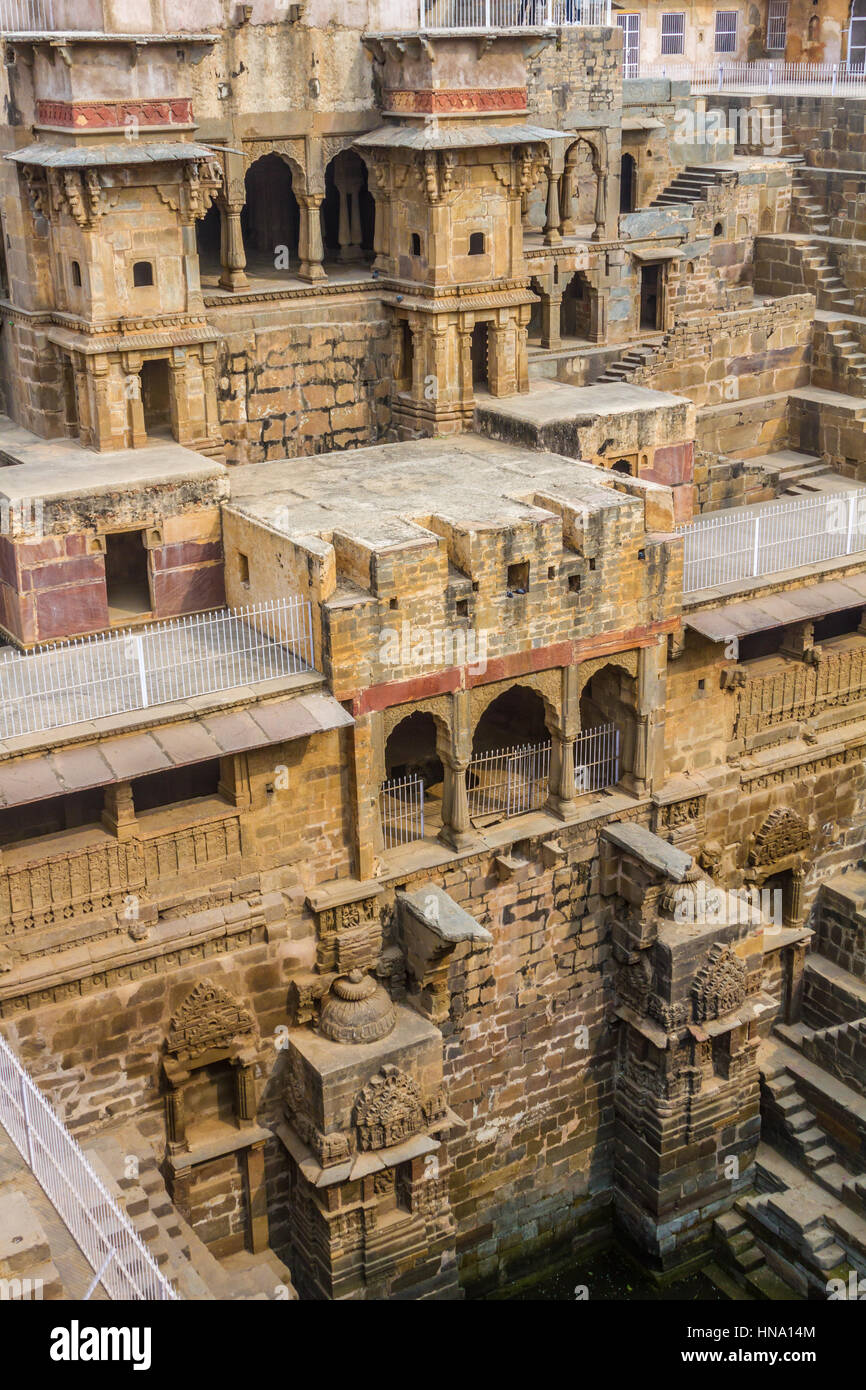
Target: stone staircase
point(625, 367)
point(27, 1271)
point(847, 355)
point(799, 1130)
point(820, 275)
point(125, 1162)
point(807, 211)
point(740, 1253)
point(691, 185)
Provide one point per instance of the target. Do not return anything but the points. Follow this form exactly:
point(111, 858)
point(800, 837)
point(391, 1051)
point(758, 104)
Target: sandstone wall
point(302, 380)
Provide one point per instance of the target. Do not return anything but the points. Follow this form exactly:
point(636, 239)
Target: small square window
point(574, 583)
point(551, 571)
point(76, 274)
point(476, 244)
point(243, 569)
point(518, 577)
point(463, 608)
point(592, 564)
point(392, 603)
point(142, 273)
point(702, 685)
point(416, 244)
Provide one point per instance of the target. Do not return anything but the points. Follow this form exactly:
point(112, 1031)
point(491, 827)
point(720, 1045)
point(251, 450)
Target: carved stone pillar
point(234, 260)
point(567, 225)
point(550, 320)
point(175, 1110)
point(311, 248)
point(793, 967)
point(552, 234)
point(245, 1092)
point(600, 208)
point(118, 812)
point(135, 408)
point(563, 788)
point(798, 879)
point(457, 831)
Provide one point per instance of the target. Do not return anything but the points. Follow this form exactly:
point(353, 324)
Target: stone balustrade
point(797, 691)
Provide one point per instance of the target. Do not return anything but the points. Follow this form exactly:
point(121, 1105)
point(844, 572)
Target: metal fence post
point(755, 553)
point(142, 670)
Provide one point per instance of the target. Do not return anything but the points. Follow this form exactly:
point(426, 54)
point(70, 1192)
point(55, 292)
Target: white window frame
point(725, 38)
point(676, 36)
point(777, 25)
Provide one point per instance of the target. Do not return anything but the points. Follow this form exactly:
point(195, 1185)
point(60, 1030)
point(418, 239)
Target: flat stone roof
point(32, 467)
point(549, 402)
point(386, 494)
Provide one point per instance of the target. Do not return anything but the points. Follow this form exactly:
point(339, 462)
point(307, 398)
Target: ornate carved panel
point(782, 834)
point(720, 986)
point(209, 1018)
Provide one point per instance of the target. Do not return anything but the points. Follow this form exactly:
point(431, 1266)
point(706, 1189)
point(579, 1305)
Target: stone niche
point(365, 1114)
point(214, 1165)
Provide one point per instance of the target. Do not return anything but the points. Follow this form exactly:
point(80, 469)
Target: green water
point(611, 1275)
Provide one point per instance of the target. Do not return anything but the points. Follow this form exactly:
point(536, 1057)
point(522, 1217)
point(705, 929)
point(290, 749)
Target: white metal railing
point(724, 547)
point(762, 76)
point(401, 807)
point(512, 14)
point(511, 781)
point(112, 1247)
point(596, 759)
point(26, 16)
point(117, 672)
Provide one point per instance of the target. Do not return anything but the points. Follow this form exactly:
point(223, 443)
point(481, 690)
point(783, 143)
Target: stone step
point(766, 1284)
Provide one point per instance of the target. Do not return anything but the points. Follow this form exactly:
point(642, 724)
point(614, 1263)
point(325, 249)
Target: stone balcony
point(780, 690)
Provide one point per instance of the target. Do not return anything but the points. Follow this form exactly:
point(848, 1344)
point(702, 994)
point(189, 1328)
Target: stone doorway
point(156, 398)
point(126, 576)
point(479, 351)
point(627, 183)
point(650, 297)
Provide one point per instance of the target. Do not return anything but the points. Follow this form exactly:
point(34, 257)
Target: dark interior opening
point(126, 575)
point(411, 750)
point(271, 217)
point(837, 624)
point(142, 274)
point(49, 817)
point(156, 397)
point(627, 183)
point(176, 784)
point(650, 304)
point(479, 355)
point(515, 717)
point(208, 239)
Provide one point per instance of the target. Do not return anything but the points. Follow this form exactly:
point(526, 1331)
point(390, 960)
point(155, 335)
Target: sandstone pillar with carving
point(563, 789)
point(312, 250)
point(118, 812)
point(552, 234)
point(457, 831)
point(233, 257)
point(551, 305)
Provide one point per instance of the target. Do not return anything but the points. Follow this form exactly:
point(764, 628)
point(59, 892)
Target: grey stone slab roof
point(135, 755)
point(774, 610)
point(434, 136)
point(123, 151)
point(657, 853)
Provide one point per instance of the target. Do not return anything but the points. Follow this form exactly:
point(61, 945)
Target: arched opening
point(476, 243)
point(627, 183)
point(510, 767)
point(575, 310)
point(479, 351)
point(580, 190)
point(410, 800)
point(270, 221)
point(410, 750)
point(608, 701)
point(622, 466)
point(517, 716)
point(349, 210)
point(208, 237)
point(142, 274)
